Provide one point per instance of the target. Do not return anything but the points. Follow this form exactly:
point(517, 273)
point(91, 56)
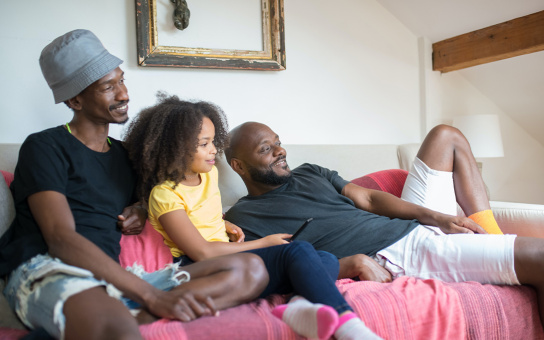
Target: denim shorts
point(38, 289)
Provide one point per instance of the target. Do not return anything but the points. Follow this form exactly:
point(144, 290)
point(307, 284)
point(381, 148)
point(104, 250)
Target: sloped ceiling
point(516, 85)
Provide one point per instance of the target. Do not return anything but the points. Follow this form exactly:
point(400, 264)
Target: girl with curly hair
point(173, 146)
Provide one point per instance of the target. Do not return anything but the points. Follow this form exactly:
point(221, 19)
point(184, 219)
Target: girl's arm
point(188, 239)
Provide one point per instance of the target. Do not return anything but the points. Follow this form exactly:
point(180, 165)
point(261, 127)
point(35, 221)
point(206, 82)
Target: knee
point(326, 257)
point(92, 314)
point(330, 263)
point(301, 252)
point(252, 274)
point(300, 246)
point(105, 325)
point(257, 270)
point(448, 134)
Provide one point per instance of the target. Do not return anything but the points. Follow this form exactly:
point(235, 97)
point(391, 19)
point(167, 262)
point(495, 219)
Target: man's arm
point(385, 204)
point(54, 217)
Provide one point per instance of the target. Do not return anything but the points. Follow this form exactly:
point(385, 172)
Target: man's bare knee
point(93, 314)
point(252, 274)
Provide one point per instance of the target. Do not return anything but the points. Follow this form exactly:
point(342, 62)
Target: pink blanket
point(407, 308)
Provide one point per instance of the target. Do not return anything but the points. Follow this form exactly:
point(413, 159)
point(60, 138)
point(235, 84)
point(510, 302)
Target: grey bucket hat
point(73, 61)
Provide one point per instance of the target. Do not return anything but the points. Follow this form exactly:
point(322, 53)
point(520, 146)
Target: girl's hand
point(276, 239)
point(234, 232)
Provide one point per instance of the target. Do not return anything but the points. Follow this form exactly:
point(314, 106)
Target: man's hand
point(132, 219)
point(234, 232)
point(181, 304)
point(459, 225)
point(364, 268)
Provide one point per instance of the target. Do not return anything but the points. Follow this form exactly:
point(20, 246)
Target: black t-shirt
point(98, 186)
point(337, 226)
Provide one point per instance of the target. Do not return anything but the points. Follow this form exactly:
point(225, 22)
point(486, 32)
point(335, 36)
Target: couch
point(407, 308)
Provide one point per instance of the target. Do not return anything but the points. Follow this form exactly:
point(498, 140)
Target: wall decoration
point(234, 34)
point(181, 14)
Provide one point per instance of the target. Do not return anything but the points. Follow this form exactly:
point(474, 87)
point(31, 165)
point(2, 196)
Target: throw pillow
point(146, 249)
point(8, 177)
point(391, 181)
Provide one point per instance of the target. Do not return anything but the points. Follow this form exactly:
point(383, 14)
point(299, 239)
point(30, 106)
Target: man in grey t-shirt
point(444, 172)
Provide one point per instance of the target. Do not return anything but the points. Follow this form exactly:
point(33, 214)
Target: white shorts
point(427, 253)
point(430, 188)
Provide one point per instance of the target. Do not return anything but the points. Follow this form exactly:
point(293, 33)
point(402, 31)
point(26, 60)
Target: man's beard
point(268, 177)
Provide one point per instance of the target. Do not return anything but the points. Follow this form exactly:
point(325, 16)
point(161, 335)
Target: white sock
point(352, 328)
point(311, 320)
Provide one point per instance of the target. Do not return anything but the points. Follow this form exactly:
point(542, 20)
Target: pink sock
point(346, 317)
point(311, 320)
point(350, 327)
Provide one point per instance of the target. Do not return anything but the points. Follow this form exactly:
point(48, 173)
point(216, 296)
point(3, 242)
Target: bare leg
point(229, 280)
point(446, 149)
point(93, 314)
point(363, 268)
point(529, 266)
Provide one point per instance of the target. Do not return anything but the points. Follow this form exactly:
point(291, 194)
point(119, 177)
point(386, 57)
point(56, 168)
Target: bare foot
point(364, 268)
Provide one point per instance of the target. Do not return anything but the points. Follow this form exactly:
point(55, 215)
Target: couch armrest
point(519, 218)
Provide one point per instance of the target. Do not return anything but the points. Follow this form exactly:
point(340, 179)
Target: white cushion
point(7, 207)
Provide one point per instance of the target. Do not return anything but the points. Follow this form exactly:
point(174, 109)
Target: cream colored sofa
point(351, 161)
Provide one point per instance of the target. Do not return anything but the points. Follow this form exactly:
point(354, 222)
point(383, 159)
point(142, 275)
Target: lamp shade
point(483, 133)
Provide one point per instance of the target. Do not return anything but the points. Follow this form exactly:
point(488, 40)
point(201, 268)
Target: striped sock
point(311, 320)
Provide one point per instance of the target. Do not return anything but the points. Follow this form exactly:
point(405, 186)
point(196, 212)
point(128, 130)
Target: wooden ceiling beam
point(505, 40)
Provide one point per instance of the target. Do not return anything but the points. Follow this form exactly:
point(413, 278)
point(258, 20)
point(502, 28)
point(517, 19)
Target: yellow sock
point(487, 221)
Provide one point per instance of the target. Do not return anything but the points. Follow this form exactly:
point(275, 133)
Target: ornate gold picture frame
point(271, 57)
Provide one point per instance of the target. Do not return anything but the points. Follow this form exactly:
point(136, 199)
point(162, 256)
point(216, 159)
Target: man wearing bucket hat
point(72, 184)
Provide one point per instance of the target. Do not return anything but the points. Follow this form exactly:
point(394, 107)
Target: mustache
point(116, 106)
point(280, 158)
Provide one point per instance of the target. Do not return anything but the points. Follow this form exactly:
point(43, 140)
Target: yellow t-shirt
point(202, 204)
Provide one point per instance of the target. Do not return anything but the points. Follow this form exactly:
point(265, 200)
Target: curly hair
point(163, 138)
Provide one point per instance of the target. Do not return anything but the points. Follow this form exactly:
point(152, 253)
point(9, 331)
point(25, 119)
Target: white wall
point(516, 177)
point(351, 72)
point(353, 77)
